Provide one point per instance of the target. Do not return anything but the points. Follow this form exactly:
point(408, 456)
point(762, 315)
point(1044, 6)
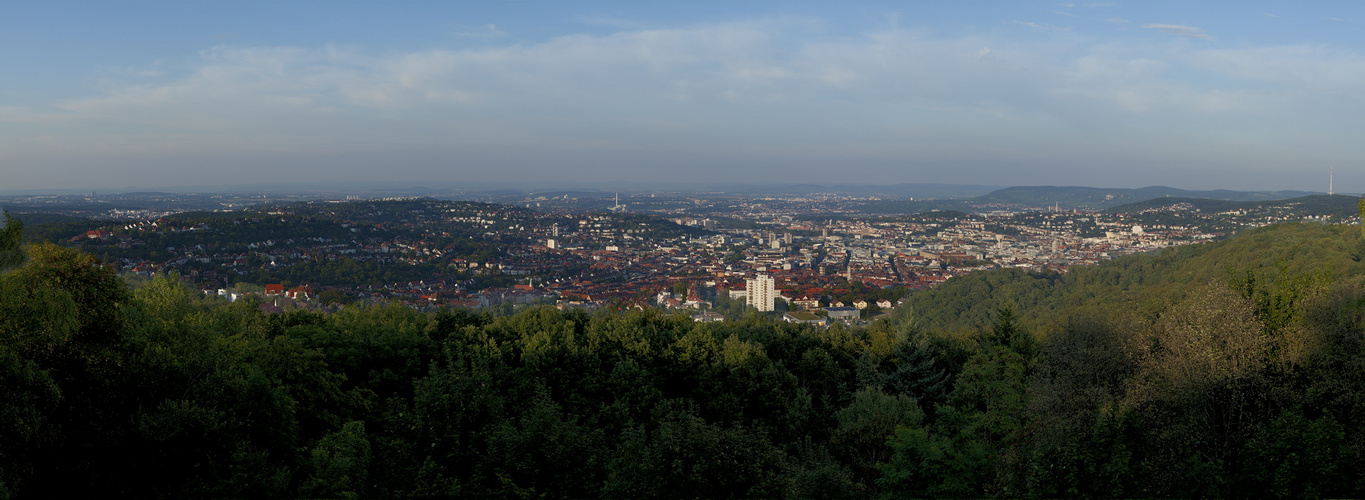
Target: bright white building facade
point(761, 292)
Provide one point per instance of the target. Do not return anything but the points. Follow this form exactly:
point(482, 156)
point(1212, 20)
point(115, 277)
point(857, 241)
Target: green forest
point(1228, 369)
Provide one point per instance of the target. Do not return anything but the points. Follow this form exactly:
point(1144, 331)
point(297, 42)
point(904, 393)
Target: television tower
point(1331, 171)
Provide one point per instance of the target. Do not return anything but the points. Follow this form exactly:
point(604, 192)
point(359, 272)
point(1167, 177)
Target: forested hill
point(1234, 368)
point(1141, 283)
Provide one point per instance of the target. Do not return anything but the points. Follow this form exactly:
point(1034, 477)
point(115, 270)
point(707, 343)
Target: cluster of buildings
point(481, 255)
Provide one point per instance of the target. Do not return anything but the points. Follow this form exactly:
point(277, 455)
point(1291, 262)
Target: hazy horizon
point(893, 191)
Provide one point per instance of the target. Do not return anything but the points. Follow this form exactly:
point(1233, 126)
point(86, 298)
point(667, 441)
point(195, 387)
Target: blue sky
point(1238, 95)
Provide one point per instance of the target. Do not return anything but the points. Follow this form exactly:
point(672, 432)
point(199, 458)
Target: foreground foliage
point(1239, 382)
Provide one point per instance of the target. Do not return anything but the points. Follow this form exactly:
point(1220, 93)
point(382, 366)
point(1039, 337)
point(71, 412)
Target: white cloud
point(614, 22)
point(1040, 26)
point(485, 31)
point(1180, 30)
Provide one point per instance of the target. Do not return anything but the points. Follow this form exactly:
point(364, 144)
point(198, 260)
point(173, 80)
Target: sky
point(117, 94)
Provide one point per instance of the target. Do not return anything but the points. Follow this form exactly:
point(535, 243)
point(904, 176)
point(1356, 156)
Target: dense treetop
point(1226, 369)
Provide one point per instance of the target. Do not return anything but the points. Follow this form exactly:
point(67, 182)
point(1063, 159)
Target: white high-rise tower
point(760, 292)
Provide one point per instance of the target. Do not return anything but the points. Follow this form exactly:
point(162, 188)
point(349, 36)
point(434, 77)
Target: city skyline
point(110, 95)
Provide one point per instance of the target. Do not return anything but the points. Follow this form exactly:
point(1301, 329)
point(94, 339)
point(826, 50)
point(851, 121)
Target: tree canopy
point(1227, 369)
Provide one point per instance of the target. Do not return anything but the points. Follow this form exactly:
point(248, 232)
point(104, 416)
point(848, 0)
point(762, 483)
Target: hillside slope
point(1101, 198)
point(1316, 205)
point(1144, 282)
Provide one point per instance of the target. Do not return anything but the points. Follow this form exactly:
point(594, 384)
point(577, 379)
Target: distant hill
point(31, 219)
point(40, 227)
point(1102, 198)
point(1089, 198)
point(1320, 204)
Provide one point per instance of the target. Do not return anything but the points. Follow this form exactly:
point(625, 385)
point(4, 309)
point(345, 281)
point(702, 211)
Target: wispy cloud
point(485, 31)
point(613, 22)
point(1180, 30)
point(1039, 26)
